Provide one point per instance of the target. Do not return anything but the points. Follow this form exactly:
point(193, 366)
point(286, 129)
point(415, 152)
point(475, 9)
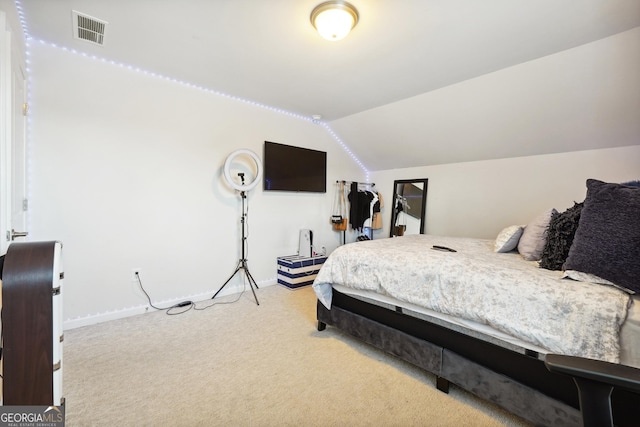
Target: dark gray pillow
point(560, 234)
point(607, 241)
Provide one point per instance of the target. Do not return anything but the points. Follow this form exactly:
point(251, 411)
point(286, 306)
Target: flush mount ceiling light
point(334, 19)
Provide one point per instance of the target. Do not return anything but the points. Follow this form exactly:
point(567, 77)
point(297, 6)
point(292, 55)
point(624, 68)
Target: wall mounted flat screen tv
point(289, 168)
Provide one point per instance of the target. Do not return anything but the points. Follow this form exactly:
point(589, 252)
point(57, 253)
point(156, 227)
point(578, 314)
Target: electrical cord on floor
point(188, 304)
point(223, 302)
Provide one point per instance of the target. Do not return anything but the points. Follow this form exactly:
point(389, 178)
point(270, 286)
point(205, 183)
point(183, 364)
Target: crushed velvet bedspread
point(498, 289)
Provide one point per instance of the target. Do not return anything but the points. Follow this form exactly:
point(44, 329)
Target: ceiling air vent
point(88, 28)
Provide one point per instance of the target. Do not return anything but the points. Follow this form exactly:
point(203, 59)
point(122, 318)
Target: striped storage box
point(295, 271)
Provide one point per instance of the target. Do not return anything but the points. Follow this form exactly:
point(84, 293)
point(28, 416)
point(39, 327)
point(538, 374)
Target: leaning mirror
point(409, 207)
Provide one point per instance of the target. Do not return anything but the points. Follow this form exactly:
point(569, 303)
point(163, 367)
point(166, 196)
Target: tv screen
point(289, 168)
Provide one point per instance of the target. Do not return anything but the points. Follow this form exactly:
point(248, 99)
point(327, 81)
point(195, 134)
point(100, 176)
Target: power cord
point(244, 288)
point(188, 304)
point(222, 302)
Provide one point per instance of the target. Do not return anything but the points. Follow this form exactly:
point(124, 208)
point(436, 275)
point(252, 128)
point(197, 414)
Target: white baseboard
point(93, 319)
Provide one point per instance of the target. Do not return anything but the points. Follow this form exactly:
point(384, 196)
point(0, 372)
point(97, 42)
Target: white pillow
point(508, 238)
point(534, 236)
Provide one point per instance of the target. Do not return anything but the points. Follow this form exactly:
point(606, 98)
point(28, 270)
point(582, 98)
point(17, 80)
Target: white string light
point(183, 83)
point(346, 148)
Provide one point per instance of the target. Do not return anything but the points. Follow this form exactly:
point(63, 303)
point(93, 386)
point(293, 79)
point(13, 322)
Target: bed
point(484, 318)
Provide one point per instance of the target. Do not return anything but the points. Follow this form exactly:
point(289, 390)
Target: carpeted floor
point(240, 364)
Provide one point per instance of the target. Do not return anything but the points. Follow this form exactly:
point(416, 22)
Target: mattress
point(629, 335)
point(497, 295)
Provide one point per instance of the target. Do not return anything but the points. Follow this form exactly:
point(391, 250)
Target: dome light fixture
point(334, 19)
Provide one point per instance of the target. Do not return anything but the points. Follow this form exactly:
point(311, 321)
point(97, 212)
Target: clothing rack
point(368, 185)
point(357, 182)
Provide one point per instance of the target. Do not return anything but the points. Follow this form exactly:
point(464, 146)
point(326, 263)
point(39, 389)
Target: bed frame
point(517, 381)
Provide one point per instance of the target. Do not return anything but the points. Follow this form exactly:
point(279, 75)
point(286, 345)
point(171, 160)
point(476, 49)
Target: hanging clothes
point(360, 206)
point(339, 216)
point(376, 222)
point(353, 205)
point(368, 223)
point(400, 225)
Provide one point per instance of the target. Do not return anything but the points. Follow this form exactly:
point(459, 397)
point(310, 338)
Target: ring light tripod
point(242, 263)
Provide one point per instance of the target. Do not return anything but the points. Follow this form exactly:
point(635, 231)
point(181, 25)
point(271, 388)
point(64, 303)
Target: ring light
point(227, 172)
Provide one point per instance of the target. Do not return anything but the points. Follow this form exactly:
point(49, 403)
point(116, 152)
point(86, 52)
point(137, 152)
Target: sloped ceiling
point(364, 86)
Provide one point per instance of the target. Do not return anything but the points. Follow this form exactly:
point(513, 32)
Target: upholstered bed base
point(520, 383)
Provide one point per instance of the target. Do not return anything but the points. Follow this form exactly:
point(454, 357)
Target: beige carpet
point(240, 364)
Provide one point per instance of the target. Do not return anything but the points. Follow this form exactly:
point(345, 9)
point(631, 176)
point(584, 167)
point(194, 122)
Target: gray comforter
point(498, 289)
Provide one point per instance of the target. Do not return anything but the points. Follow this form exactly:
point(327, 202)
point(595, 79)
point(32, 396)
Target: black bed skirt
point(518, 382)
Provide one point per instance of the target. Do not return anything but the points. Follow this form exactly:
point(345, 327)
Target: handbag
point(341, 226)
point(339, 218)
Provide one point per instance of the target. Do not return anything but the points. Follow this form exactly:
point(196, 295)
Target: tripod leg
point(228, 280)
point(251, 279)
point(252, 283)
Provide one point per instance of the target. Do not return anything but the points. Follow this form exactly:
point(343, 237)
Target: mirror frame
point(425, 182)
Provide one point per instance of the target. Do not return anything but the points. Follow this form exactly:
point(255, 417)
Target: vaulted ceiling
point(267, 51)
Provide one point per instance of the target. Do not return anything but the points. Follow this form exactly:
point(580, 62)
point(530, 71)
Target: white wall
point(126, 171)
point(478, 199)
point(583, 98)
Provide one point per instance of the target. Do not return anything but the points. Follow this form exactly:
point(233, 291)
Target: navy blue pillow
point(607, 241)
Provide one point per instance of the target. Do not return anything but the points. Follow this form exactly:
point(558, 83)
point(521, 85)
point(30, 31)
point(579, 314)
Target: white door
point(19, 202)
point(12, 138)
point(5, 134)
